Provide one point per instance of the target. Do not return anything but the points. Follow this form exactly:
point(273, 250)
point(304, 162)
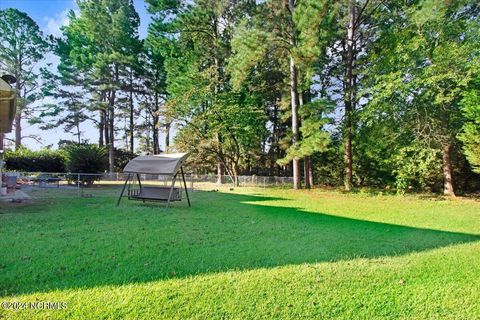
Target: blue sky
point(50, 15)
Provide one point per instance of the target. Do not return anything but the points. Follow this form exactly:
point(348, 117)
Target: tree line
point(371, 93)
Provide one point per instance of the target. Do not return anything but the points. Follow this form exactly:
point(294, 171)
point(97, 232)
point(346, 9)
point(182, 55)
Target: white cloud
point(53, 25)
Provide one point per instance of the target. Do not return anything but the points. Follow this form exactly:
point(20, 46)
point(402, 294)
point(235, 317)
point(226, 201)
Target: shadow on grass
point(93, 243)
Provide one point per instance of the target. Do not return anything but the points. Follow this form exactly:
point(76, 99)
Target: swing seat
point(155, 193)
point(167, 165)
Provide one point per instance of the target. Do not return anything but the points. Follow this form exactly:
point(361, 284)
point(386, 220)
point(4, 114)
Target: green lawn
point(252, 253)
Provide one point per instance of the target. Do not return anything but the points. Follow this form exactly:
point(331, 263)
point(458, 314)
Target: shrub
point(121, 158)
point(44, 160)
point(417, 169)
point(86, 158)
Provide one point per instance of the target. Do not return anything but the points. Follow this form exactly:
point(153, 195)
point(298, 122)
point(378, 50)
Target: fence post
point(78, 184)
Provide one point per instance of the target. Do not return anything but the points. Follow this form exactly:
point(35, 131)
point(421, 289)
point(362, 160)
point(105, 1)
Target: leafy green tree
point(68, 109)
point(22, 46)
point(213, 119)
point(424, 68)
point(155, 86)
point(291, 32)
point(470, 134)
point(103, 42)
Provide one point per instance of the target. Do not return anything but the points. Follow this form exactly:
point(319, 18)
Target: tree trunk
point(147, 129)
point(310, 172)
point(79, 139)
point(306, 172)
point(111, 145)
point(105, 128)
point(111, 129)
point(220, 168)
point(101, 125)
point(219, 171)
point(448, 188)
point(349, 97)
point(111, 118)
point(132, 123)
point(167, 134)
point(294, 102)
point(235, 175)
point(18, 90)
point(18, 131)
point(155, 125)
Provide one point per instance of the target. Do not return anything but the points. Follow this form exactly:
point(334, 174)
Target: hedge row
point(36, 161)
point(88, 158)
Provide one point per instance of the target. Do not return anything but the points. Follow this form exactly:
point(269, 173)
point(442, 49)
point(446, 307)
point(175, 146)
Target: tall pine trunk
point(310, 172)
point(294, 101)
point(306, 172)
point(132, 123)
point(111, 133)
point(349, 96)
point(448, 188)
point(105, 128)
point(294, 104)
point(79, 133)
point(18, 116)
point(101, 126)
point(155, 125)
point(111, 125)
point(167, 134)
point(220, 168)
point(18, 131)
point(111, 144)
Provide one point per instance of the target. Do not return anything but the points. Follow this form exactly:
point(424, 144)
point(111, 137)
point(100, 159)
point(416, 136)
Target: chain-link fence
point(44, 185)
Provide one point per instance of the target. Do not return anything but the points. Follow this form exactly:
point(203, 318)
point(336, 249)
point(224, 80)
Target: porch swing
point(168, 166)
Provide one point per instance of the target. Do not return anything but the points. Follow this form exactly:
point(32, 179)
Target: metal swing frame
point(154, 193)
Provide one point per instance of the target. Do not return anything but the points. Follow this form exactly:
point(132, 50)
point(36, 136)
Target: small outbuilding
point(167, 165)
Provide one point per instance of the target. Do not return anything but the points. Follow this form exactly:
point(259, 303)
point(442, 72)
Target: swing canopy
point(165, 164)
point(161, 164)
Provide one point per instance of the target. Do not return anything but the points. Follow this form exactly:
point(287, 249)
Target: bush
point(44, 160)
point(418, 169)
point(121, 158)
point(86, 158)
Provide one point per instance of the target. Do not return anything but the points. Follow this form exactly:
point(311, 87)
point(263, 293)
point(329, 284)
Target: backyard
point(248, 253)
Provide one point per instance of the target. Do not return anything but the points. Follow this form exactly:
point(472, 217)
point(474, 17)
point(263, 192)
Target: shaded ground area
point(69, 242)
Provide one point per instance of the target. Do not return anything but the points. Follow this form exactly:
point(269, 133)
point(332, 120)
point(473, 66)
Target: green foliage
point(314, 137)
point(102, 44)
point(86, 158)
point(470, 135)
point(44, 160)
point(417, 169)
point(423, 64)
point(22, 46)
point(328, 168)
point(121, 158)
point(222, 73)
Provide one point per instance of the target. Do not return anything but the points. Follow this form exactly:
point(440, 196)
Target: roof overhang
point(8, 106)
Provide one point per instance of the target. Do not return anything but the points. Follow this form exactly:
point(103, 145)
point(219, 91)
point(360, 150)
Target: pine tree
point(22, 46)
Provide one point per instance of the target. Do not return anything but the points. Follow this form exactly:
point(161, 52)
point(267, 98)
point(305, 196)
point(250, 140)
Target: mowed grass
point(246, 254)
